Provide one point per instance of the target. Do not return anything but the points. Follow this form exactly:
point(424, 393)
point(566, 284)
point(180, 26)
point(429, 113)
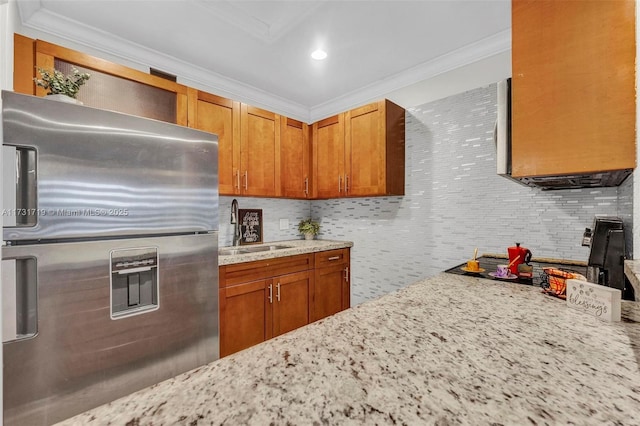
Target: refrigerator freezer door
point(91, 173)
point(81, 357)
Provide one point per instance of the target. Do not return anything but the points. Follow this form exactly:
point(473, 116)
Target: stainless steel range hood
point(502, 138)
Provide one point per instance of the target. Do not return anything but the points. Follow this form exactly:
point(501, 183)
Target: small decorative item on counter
point(518, 256)
point(56, 83)
point(557, 280)
point(600, 301)
point(309, 228)
point(473, 266)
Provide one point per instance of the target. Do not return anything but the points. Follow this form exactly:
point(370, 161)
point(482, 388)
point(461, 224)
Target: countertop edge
point(632, 271)
point(297, 247)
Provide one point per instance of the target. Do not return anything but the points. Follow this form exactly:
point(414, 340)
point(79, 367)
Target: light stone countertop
point(447, 350)
point(296, 247)
point(632, 271)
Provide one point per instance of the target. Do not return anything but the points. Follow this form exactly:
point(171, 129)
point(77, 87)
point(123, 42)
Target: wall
point(272, 211)
point(455, 202)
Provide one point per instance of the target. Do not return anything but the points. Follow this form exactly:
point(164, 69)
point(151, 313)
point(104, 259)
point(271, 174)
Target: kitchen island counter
point(446, 350)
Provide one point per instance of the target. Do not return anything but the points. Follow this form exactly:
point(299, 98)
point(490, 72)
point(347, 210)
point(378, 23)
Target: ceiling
point(259, 51)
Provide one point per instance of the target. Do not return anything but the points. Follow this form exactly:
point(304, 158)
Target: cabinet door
point(260, 148)
point(329, 157)
point(330, 291)
point(573, 87)
point(245, 316)
point(222, 116)
point(291, 301)
point(365, 150)
point(294, 158)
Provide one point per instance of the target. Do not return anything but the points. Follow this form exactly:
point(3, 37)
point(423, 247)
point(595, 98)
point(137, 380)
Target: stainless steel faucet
point(235, 220)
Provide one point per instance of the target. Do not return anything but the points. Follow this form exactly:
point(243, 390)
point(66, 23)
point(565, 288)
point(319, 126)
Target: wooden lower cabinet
point(263, 299)
point(330, 289)
point(290, 302)
point(244, 315)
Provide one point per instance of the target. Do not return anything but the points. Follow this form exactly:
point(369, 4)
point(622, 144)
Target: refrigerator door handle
point(19, 299)
point(19, 186)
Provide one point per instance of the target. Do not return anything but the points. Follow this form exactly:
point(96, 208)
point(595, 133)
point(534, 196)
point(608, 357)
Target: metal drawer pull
point(278, 291)
point(346, 274)
point(334, 258)
point(270, 293)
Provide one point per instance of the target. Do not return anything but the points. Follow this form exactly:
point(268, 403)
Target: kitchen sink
point(230, 251)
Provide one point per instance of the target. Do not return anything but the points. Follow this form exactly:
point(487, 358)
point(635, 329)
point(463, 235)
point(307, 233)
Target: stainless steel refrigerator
point(110, 263)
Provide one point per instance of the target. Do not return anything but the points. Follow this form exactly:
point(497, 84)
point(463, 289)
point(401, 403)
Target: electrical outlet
point(284, 224)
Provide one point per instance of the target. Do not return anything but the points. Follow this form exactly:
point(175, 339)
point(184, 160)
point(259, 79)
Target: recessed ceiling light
point(319, 54)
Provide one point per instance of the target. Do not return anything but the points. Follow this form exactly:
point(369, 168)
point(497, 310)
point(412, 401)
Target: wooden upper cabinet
point(374, 140)
point(111, 86)
point(360, 153)
point(295, 179)
point(328, 157)
point(259, 152)
point(573, 87)
point(221, 116)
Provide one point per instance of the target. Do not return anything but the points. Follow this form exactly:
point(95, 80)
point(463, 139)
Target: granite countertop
point(295, 247)
point(447, 350)
point(632, 271)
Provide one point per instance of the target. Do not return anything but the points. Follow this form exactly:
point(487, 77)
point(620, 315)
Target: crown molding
point(489, 46)
point(35, 16)
point(48, 22)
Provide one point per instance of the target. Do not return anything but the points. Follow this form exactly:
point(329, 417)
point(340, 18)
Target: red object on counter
point(514, 252)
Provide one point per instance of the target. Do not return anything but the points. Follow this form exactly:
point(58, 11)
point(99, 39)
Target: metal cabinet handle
point(306, 186)
point(346, 183)
point(270, 293)
point(339, 183)
point(278, 292)
point(20, 302)
point(238, 179)
point(246, 180)
point(346, 273)
point(333, 258)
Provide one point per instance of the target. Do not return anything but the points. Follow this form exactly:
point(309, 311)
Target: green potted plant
point(309, 228)
point(56, 83)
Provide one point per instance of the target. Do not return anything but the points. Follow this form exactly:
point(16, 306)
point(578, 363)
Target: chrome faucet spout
point(235, 220)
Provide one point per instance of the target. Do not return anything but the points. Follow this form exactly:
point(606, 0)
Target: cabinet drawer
point(332, 257)
point(263, 269)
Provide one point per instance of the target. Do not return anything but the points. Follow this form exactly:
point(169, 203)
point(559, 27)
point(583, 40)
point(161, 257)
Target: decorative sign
point(250, 226)
point(597, 300)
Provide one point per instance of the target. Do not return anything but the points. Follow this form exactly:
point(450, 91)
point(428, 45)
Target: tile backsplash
point(272, 211)
point(454, 203)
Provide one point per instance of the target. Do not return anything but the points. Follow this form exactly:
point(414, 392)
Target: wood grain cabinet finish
point(328, 157)
point(374, 140)
point(221, 116)
point(263, 299)
point(30, 54)
point(330, 288)
point(573, 87)
point(295, 163)
point(259, 152)
point(360, 153)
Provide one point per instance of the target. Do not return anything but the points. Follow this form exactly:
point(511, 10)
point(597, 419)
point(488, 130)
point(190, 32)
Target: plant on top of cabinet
point(57, 83)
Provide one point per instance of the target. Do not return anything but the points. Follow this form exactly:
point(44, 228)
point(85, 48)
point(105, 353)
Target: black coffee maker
point(606, 258)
